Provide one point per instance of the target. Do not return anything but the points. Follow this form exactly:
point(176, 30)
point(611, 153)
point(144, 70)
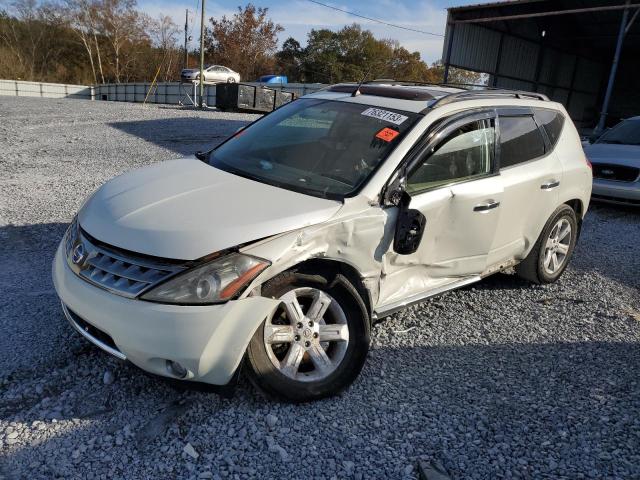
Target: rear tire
point(287, 357)
point(553, 250)
point(231, 80)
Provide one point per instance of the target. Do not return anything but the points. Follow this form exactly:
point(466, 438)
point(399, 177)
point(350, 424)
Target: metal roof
point(562, 48)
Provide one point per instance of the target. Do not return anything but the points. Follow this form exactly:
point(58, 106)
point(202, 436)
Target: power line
point(376, 20)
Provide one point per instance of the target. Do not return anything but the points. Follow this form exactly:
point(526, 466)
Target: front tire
point(551, 254)
point(315, 343)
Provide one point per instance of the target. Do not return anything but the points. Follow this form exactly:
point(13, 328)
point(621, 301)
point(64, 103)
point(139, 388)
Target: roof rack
point(383, 87)
point(483, 94)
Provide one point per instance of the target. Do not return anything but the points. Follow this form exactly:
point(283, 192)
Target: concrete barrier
point(176, 93)
point(21, 88)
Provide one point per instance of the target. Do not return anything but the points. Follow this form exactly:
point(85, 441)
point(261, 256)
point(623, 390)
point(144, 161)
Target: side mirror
point(410, 226)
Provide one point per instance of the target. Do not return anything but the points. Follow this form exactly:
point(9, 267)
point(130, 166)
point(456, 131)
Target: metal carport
point(565, 49)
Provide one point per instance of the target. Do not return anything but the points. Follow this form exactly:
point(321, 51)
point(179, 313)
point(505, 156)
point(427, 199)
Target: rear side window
point(552, 122)
point(520, 140)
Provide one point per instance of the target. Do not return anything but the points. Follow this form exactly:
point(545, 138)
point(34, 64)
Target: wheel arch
point(578, 207)
point(336, 267)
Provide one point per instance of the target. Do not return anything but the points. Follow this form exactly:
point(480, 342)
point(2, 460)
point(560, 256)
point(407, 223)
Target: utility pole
point(186, 38)
point(201, 80)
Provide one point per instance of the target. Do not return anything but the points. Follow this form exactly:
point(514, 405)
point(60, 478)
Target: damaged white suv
point(275, 251)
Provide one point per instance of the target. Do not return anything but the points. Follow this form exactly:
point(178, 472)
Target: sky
point(298, 17)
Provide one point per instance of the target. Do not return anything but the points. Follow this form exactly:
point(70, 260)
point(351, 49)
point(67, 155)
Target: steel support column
point(449, 48)
point(614, 70)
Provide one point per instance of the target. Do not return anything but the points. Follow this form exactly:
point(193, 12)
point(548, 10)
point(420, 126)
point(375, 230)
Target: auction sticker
point(387, 134)
point(385, 115)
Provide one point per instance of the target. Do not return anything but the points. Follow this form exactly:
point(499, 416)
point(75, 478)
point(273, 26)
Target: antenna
point(356, 92)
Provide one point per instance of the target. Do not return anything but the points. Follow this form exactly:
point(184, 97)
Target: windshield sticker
point(387, 134)
point(385, 115)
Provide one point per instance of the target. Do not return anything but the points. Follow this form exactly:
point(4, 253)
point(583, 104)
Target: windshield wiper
point(202, 156)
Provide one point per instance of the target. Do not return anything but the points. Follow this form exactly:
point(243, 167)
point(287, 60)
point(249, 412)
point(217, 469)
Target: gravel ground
point(503, 380)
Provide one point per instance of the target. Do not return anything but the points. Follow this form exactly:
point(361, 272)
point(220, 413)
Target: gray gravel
point(503, 380)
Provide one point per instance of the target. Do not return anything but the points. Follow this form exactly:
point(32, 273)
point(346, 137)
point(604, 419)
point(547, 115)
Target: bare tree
point(164, 35)
point(123, 27)
point(26, 44)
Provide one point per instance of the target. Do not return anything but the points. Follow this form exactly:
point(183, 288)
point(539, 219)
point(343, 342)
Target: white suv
point(277, 249)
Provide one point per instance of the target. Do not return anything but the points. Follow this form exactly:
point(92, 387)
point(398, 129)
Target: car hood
point(628, 155)
point(185, 209)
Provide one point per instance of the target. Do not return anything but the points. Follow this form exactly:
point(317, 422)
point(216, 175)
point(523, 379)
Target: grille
point(620, 173)
point(113, 269)
point(95, 332)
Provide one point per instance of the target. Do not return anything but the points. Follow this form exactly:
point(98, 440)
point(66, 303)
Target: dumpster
point(249, 98)
point(273, 79)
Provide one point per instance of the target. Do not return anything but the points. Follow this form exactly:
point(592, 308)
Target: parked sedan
point(212, 73)
point(615, 157)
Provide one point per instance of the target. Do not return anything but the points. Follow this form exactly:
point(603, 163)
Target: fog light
point(175, 369)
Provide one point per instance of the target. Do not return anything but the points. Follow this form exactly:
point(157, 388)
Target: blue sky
point(300, 16)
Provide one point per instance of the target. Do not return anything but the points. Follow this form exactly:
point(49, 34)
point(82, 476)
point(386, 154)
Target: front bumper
point(209, 341)
point(612, 191)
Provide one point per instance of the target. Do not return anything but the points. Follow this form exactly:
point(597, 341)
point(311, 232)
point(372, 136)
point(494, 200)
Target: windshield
point(320, 147)
point(625, 133)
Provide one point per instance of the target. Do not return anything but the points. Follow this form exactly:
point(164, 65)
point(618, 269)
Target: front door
point(453, 183)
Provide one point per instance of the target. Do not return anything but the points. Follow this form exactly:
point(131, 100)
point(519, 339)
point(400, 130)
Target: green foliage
point(351, 54)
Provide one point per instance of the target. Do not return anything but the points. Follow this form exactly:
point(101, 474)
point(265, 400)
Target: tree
point(351, 54)
point(164, 36)
point(35, 43)
point(289, 58)
point(458, 75)
point(82, 17)
point(246, 42)
point(124, 29)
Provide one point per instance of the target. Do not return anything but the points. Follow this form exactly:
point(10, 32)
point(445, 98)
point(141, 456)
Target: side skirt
point(391, 308)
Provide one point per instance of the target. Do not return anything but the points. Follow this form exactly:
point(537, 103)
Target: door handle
point(483, 207)
point(549, 185)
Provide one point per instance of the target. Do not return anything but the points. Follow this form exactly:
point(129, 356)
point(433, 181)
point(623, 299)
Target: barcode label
point(385, 115)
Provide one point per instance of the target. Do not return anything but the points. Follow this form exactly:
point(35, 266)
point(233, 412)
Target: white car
point(616, 164)
point(212, 73)
point(278, 248)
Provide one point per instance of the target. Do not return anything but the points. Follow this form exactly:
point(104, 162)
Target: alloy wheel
point(557, 246)
point(307, 337)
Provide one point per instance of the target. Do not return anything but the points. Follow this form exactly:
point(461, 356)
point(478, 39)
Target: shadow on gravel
point(610, 243)
point(550, 409)
point(184, 135)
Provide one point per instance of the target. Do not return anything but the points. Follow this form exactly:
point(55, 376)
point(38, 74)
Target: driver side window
point(464, 154)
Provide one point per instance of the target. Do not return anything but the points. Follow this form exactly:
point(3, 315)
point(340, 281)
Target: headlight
point(214, 282)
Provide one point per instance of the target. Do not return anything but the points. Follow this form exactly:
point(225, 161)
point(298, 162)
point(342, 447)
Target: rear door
point(531, 176)
point(453, 183)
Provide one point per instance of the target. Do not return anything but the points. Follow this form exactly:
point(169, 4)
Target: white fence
point(47, 90)
point(166, 92)
point(174, 92)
